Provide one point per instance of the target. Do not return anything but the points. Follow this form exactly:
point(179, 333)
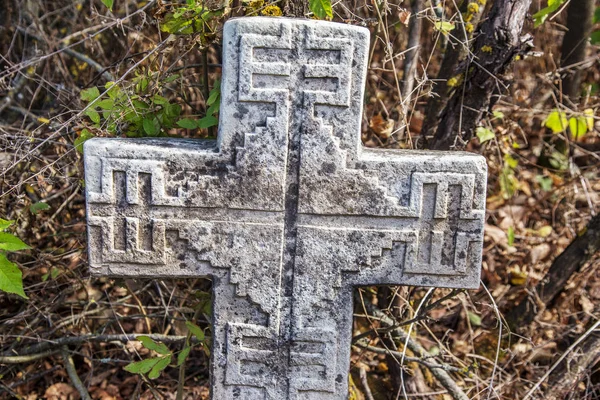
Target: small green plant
point(191, 17)
point(11, 279)
point(322, 9)
point(139, 110)
point(155, 365)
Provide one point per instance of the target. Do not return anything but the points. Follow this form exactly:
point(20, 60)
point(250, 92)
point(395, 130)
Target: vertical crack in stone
point(297, 113)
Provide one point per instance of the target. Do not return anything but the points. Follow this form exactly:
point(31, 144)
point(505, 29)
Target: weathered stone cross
point(286, 211)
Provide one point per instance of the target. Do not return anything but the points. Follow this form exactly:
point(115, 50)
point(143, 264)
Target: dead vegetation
point(511, 339)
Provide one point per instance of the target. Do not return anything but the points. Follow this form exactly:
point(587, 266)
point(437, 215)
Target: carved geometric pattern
point(286, 211)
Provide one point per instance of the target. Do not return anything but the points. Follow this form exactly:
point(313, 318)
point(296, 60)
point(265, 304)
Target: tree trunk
point(581, 249)
point(498, 43)
point(412, 57)
point(579, 25)
point(457, 49)
point(573, 369)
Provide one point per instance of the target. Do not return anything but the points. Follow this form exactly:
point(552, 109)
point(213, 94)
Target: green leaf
point(159, 100)
point(214, 108)
point(207, 122)
point(484, 134)
point(597, 15)
point(171, 78)
point(595, 37)
point(196, 331)
point(474, 318)
point(183, 355)
point(559, 161)
point(443, 26)
point(321, 8)
point(90, 94)
point(11, 279)
point(150, 344)
point(151, 126)
point(498, 114)
point(541, 16)
point(108, 3)
point(511, 162)
point(556, 121)
point(214, 95)
point(4, 224)
point(187, 123)
point(159, 366)
point(173, 110)
point(545, 182)
point(142, 367)
point(511, 235)
point(10, 242)
point(93, 114)
point(107, 104)
point(578, 127)
point(83, 136)
point(37, 207)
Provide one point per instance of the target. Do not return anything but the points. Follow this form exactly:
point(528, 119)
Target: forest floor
point(535, 210)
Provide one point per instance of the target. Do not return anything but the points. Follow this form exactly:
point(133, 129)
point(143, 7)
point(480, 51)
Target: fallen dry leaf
point(61, 391)
point(381, 126)
point(539, 252)
point(404, 16)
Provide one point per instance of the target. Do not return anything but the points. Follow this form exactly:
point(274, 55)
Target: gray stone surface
point(286, 211)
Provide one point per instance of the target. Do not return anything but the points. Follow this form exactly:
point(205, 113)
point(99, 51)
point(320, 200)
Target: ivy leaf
point(183, 355)
point(151, 126)
point(10, 242)
point(187, 123)
point(83, 136)
point(207, 122)
point(556, 121)
point(39, 206)
point(196, 331)
point(321, 8)
point(578, 127)
point(162, 363)
point(150, 344)
point(142, 367)
point(484, 134)
point(11, 279)
point(108, 3)
point(4, 224)
point(90, 94)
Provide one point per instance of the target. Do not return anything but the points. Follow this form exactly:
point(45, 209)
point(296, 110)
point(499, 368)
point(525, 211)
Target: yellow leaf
point(578, 127)
point(544, 231)
point(443, 26)
point(589, 118)
point(556, 121)
point(517, 277)
point(44, 120)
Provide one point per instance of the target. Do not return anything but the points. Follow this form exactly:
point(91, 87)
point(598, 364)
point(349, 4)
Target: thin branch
point(72, 372)
point(439, 373)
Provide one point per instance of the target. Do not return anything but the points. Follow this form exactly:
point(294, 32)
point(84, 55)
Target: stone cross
point(286, 212)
